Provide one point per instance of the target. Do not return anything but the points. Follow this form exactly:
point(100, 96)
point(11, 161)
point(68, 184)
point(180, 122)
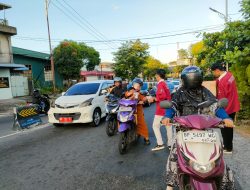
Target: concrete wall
point(92, 78)
point(5, 52)
point(5, 93)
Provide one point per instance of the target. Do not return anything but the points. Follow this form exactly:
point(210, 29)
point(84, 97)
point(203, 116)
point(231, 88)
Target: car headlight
point(202, 168)
point(86, 103)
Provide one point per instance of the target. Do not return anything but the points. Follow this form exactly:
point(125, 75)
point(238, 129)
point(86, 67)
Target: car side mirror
point(63, 93)
point(103, 92)
point(166, 104)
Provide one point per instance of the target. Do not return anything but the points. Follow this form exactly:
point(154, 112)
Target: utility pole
point(226, 20)
point(225, 16)
point(50, 47)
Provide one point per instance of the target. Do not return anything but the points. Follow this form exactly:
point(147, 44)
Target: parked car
point(176, 83)
point(81, 103)
point(170, 86)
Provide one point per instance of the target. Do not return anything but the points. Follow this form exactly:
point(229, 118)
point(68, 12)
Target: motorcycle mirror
point(223, 103)
point(166, 104)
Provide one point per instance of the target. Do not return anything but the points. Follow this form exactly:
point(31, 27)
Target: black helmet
point(117, 79)
point(192, 77)
point(137, 80)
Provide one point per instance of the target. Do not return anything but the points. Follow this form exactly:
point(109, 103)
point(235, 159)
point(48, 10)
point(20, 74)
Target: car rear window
point(83, 89)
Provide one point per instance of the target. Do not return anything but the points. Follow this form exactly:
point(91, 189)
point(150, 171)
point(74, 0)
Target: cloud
point(115, 7)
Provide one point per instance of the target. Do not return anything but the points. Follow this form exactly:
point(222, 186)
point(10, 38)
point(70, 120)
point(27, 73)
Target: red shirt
point(226, 88)
point(162, 93)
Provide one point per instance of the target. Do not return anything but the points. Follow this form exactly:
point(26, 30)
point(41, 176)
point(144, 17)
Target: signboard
point(4, 82)
point(26, 116)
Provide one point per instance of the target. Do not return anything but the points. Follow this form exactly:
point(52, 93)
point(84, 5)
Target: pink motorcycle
point(198, 153)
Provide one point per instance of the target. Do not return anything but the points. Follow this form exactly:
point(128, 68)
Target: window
point(104, 86)
point(48, 73)
point(28, 73)
point(83, 89)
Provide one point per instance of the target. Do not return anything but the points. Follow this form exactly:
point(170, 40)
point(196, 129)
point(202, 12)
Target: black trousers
point(227, 135)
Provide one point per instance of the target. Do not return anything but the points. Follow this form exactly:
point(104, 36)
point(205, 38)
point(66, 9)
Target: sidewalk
point(6, 106)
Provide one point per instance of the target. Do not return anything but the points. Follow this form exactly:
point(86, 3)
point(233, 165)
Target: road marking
point(9, 135)
point(26, 130)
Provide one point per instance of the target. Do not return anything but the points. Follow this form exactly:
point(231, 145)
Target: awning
point(18, 67)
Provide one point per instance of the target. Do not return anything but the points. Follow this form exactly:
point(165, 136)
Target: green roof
point(30, 53)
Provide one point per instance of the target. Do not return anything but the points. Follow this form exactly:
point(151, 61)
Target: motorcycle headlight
point(202, 168)
point(86, 103)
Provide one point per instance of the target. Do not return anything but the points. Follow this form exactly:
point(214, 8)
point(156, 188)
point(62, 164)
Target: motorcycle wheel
point(122, 145)
point(111, 127)
point(47, 107)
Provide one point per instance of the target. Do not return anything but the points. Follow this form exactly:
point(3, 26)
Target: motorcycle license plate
point(125, 109)
point(65, 119)
point(199, 137)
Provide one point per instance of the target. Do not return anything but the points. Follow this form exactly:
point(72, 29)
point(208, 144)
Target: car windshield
point(83, 89)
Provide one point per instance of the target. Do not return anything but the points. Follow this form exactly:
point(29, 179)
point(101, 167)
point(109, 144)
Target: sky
point(165, 25)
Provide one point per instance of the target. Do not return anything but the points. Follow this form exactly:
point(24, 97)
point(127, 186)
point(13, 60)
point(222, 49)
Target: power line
point(77, 22)
point(118, 40)
point(87, 22)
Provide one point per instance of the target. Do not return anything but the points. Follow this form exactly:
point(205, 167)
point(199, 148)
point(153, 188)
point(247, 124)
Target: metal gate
point(19, 86)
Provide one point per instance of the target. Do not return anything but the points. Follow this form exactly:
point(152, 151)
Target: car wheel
point(96, 117)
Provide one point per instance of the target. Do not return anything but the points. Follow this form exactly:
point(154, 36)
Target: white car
point(82, 103)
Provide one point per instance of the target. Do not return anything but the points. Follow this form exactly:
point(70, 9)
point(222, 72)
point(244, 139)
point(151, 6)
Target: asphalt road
point(83, 157)
point(78, 157)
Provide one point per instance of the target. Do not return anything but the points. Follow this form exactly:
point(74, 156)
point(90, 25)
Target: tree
point(70, 57)
point(182, 54)
point(178, 69)
point(237, 53)
point(194, 51)
point(151, 66)
point(130, 59)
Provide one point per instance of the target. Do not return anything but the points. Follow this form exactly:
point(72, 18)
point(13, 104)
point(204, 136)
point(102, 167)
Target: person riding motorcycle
point(134, 93)
point(117, 89)
point(185, 100)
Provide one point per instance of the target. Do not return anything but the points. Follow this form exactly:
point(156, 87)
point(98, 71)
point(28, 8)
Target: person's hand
point(141, 102)
point(151, 99)
point(165, 121)
point(228, 123)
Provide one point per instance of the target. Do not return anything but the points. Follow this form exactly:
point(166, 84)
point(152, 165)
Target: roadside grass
point(243, 128)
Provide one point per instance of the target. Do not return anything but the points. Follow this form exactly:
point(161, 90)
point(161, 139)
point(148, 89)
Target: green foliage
point(182, 54)
point(236, 36)
point(130, 59)
point(151, 66)
point(245, 8)
point(70, 57)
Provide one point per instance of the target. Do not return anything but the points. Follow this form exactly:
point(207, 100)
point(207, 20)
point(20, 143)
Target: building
point(102, 71)
point(39, 72)
point(7, 65)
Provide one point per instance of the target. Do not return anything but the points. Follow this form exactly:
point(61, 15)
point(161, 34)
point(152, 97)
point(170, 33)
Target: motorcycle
point(42, 100)
point(198, 151)
point(111, 119)
point(127, 119)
